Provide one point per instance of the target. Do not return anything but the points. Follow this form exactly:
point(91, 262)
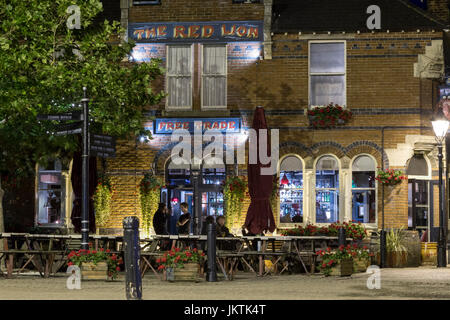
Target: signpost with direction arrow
point(93, 144)
point(103, 146)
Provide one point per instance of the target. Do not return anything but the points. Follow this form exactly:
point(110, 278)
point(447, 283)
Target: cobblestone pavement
point(408, 283)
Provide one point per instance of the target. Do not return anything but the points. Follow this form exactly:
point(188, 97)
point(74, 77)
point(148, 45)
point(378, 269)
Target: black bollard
point(211, 275)
point(383, 249)
point(131, 248)
point(341, 237)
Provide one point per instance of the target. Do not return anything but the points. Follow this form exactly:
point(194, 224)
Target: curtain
point(76, 179)
point(179, 76)
point(214, 80)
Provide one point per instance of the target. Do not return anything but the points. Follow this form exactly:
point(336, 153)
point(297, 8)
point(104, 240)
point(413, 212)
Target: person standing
point(183, 223)
point(160, 219)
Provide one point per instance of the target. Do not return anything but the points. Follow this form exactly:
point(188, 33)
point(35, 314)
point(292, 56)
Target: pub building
point(223, 58)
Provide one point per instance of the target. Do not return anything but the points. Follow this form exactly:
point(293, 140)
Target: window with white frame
point(214, 76)
point(291, 190)
point(419, 214)
point(363, 190)
point(327, 190)
point(327, 73)
point(179, 76)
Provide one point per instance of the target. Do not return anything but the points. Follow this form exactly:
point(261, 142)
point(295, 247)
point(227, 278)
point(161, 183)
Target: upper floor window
point(327, 190)
point(214, 76)
point(363, 190)
point(179, 76)
point(291, 190)
point(182, 69)
point(142, 2)
point(327, 73)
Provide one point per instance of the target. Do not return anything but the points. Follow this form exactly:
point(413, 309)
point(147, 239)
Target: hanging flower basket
point(330, 116)
point(390, 177)
point(234, 193)
point(149, 190)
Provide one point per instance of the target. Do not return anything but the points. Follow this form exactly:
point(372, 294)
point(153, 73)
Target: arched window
point(327, 190)
point(291, 190)
point(363, 190)
point(419, 215)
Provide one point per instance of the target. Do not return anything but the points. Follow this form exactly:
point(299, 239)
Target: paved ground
point(409, 283)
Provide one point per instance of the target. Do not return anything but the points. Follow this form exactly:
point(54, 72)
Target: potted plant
point(396, 251)
point(181, 264)
point(390, 177)
point(329, 116)
point(96, 265)
point(233, 193)
point(149, 190)
point(362, 258)
point(337, 263)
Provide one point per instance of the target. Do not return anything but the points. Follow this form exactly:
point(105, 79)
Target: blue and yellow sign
point(218, 31)
point(224, 125)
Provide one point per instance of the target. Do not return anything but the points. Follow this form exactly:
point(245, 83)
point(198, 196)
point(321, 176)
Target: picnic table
point(48, 252)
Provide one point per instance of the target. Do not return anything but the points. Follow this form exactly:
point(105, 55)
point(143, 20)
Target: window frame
point(63, 191)
point(310, 106)
point(180, 108)
point(370, 224)
point(202, 106)
point(289, 225)
point(339, 190)
point(414, 205)
point(145, 2)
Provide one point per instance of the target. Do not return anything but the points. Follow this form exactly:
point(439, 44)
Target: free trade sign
point(224, 125)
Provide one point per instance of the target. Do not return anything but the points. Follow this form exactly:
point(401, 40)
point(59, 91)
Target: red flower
point(108, 251)
point(177, 249)
point(114, 257)
point(94, 251)
point(117, 268)
point(158, 260)
point(163, 259)
point(70, 263)
point(101, 249)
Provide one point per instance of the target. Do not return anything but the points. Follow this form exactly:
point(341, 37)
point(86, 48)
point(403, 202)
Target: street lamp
point(440, 127)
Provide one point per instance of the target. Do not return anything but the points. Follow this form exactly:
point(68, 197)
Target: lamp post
point(440, 127)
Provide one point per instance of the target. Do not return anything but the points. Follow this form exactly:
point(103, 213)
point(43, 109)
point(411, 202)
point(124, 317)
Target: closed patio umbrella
point(259, 215)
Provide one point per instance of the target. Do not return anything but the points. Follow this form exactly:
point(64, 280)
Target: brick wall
point(381, 91)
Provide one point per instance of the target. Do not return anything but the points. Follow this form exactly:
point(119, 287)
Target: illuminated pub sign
point(225, 31)
point(224, 125)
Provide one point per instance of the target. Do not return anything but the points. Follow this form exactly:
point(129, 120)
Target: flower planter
point(396, 259)
point(360, 265)
point(189, 272)
point(343, 268)
point(91, 271)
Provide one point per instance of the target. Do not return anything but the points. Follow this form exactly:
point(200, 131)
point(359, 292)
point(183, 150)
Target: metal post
point(341, 236)
point(211, 275)
point(383, 248)
point(85, 175)
point(442, 261)
point(131, 248)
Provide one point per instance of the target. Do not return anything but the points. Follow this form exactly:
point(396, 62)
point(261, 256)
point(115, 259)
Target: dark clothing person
point(184, 229)
point(223, 231)
point(160, 222)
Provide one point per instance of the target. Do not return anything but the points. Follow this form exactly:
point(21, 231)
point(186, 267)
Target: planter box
point(429, 253)
point(91, 271)
point(360, 265)
point(396, 259)
point(344, 268)
point(190, 272)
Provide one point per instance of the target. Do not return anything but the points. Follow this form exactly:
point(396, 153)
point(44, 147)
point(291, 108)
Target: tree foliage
point(43, 67)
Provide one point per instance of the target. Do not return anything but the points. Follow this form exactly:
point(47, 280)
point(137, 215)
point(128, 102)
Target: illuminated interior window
point(327, 190)
point(363, 190)
point(291, 190)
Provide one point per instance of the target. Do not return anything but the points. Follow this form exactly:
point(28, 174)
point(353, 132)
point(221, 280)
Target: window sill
point(195, 113)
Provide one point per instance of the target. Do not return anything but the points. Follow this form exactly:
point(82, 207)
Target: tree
point(44, 64)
